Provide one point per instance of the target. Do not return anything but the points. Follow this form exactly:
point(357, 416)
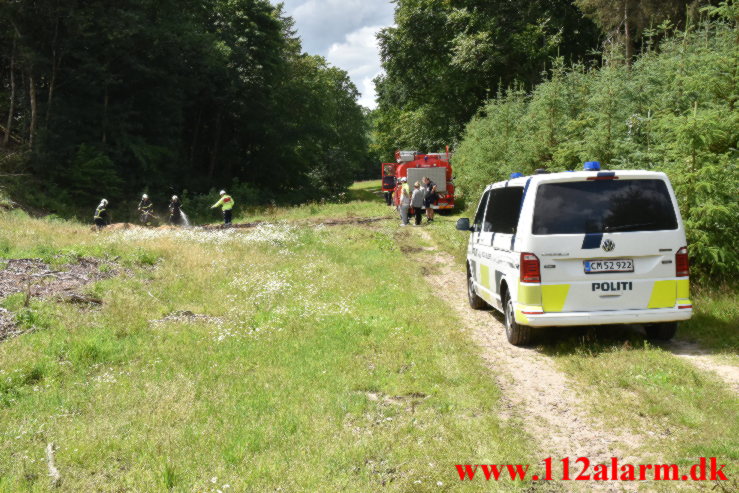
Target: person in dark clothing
point(146, 210)
point(175, 211)
point(430, 197)
point(389, 182)
point(101, 217)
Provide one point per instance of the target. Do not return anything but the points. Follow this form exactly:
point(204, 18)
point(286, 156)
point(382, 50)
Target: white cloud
point(344, 31)
point(359, 56)
point(324, 22)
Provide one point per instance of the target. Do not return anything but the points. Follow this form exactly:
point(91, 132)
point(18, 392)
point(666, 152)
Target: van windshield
point(603, 206)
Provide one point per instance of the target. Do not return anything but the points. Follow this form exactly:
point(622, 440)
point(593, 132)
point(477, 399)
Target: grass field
point(363, 199)
point(313, 366)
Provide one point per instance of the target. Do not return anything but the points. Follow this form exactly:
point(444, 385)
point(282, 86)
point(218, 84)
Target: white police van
point(580, 248)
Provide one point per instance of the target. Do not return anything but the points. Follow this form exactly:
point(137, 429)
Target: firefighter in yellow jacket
point(226, 203)
point(101, 217)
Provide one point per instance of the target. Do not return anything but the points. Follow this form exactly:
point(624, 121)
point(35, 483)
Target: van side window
point(481, 211)
point(504, 209)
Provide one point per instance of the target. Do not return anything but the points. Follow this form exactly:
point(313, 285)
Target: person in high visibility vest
point(405, 201)
point(226, 203)
point(101, 214)
point(146, 210)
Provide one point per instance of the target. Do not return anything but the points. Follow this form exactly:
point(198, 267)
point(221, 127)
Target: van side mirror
point(463, 224)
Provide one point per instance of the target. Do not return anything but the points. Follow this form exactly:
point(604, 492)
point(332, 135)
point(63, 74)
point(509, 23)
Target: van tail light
point(682, 264)
point(530, 268)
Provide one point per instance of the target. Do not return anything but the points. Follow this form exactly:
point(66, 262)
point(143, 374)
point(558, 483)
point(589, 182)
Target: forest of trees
point(101, 98)
point(444, 58)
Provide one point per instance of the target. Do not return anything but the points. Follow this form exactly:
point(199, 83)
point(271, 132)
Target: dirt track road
point(534, 391)
point(542, 398)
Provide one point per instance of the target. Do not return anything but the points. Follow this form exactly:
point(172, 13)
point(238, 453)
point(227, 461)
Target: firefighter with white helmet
point(226, 203)
point(146, 210)
point(101, 217)
point(175, 211)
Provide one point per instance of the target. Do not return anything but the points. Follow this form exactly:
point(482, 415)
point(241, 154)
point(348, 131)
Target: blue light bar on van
point(592, 166)
point(516, 175)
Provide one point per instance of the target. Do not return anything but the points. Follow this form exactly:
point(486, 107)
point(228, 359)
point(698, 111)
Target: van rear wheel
point(662, 331)
point(476, 303)
point(518, 335)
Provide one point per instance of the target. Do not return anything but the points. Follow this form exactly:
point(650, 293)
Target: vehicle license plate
point(614, 265)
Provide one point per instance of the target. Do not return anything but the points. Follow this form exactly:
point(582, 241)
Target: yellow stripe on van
point(554, 297)
point(683, 292)
point(485, 276)
point(520, 317)
point(663, 294)
point(683, 288)
point(529, 295)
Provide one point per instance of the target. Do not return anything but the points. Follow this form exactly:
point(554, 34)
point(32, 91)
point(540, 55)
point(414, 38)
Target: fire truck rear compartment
point(437, 175)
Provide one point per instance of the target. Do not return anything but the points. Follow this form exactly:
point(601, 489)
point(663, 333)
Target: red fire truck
point(414, 166)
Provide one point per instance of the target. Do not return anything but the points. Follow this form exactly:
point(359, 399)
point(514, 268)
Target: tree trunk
point(50, 96)
point(11, 108)
point(628, 42)
point(32, 97)
point(196, 134)
point(214, 152)
point(105, 116)
point(54, 66)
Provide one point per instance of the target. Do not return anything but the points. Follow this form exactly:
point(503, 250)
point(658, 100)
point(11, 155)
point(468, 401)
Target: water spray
point(185, 219)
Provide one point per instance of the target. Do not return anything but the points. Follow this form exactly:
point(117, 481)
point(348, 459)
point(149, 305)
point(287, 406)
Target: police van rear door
point(606, 241)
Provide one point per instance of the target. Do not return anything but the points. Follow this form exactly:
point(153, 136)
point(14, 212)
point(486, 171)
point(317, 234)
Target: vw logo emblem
point(608, 246)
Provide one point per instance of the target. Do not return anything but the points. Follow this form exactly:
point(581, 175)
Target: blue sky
point(344, 32)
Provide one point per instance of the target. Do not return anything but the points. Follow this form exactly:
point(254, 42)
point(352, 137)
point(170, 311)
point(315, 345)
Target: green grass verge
point(715, 319)
point(687, 413)
point(317, 371)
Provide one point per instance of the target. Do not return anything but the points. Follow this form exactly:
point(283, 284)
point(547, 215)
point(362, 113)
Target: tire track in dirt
point(212, 227)
point(701, 359)
point(533, 390)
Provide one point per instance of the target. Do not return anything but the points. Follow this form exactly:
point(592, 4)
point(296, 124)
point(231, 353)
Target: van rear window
point(602, 207)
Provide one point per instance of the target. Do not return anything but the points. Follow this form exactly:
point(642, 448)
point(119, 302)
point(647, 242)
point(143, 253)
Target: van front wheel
point(661, 332)
point(518, 335)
